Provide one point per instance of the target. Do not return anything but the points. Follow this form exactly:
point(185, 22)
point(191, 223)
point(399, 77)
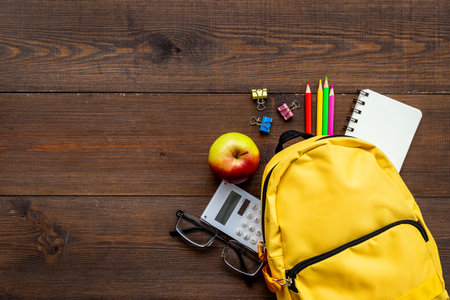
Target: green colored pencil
point(326, 92)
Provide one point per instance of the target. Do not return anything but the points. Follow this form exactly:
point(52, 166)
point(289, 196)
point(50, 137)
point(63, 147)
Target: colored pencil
point(326, 91)
point(308, 109)
point(331, 111)
point(319, 108)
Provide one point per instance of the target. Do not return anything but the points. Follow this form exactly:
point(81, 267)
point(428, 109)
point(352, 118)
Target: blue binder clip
point(264, 124)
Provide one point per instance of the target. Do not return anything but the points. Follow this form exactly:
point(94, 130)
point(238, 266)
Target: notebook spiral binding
point(355, 110)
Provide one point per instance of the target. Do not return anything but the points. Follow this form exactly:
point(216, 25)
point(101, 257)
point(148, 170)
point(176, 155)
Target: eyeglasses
point(201, 234)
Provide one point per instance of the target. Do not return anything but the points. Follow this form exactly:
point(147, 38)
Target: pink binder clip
point(286, 111)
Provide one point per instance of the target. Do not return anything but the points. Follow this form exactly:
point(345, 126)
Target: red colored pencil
point(308, 109)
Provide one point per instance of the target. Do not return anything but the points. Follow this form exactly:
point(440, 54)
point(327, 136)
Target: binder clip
point(286, 111)
point(264, 124)
point(259, 95)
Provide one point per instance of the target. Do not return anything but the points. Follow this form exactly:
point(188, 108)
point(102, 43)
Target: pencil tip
point(307, 82)
point(331, 86)
point(326, 78)
point(320, 81)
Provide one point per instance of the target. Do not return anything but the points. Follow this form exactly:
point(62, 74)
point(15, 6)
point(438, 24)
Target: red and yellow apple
point(233, 157)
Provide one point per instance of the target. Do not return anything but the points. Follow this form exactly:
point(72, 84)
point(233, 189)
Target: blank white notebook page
point(387, 123)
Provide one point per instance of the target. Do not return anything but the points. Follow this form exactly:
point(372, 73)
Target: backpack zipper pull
point(290, 281)
point(284, 281)
point(262, 252)
point(273, 284)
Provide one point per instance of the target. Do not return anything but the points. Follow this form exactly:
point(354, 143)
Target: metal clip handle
point(255, 121)
point(260, 105)
point(295, 104)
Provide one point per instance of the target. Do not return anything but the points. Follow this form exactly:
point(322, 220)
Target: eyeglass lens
point(241, 259)
point(195, 230)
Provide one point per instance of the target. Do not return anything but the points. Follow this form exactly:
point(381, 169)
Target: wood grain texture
point(91, 176)
point(108, 247)
point(150, 144)
point(231, 46)
point(120, 247)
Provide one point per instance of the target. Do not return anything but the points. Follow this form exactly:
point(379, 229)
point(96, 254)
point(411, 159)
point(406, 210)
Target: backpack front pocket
point(384, 264)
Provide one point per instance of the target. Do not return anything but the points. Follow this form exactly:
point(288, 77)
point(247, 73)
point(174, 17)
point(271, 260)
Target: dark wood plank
point(120, 247)
point(150, 144)
point(109, 247)
point(232, 46)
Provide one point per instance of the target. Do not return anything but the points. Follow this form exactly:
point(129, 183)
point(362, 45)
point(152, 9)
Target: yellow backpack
point(339, 223)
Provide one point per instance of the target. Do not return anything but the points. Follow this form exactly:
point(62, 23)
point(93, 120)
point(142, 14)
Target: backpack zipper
point(292, 273)
point(263, 202)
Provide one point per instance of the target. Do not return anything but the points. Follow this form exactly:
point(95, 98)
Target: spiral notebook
point(386, 123)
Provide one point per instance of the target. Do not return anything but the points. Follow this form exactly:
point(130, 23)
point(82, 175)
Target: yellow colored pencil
point(319, 108)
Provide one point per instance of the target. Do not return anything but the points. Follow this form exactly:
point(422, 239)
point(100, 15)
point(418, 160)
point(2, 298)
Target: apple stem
point(239, 155)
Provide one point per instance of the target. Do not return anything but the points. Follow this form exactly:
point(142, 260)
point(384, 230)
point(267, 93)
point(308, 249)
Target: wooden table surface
point(108, 110)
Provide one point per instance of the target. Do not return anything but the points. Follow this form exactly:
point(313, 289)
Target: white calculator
point(236, 213)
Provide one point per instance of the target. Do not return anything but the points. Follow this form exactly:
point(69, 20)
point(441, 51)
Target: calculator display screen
point(227, 209)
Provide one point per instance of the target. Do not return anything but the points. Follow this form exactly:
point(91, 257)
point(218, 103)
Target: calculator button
point(246, 236)
point(258, 232)
point(255, 206)
point(239, 231)
point(257, 219)
point(253, 241)
point(244, 224)
point(250, 215)
point(251, 228)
